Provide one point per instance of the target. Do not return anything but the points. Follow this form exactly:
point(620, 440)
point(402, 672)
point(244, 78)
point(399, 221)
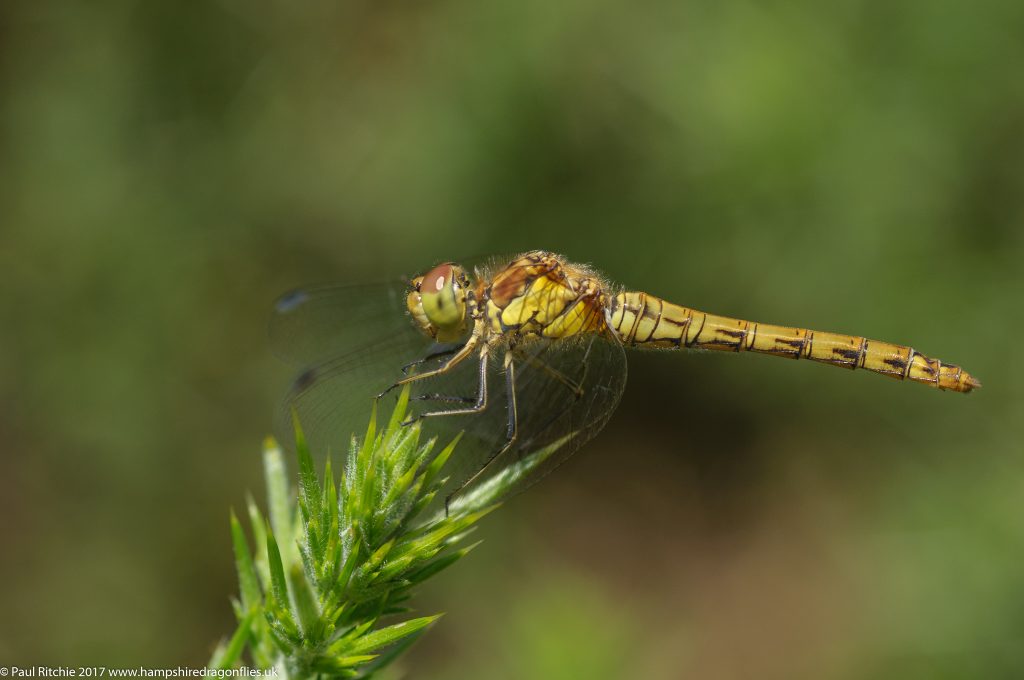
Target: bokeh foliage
point(166, 170)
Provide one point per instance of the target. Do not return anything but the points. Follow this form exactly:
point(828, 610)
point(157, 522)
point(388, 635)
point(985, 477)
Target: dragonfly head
point(437, 302)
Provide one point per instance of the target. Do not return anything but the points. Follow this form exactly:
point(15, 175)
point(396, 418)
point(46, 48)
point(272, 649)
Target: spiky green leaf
point(341, 554)
point(383, 637)
point(248, 581)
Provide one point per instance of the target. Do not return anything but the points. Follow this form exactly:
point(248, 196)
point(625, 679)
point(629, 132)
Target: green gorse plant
point(325, 592)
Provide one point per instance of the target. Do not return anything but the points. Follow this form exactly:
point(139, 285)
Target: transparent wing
point(352, 343)
point(566, 390)
point(314, 324)
point(311, 325)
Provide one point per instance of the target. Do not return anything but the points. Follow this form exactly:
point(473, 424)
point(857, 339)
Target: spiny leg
point(450, 398)
point(513, 424)
point(455, 360)
point(481, 399)
point(435, 352)
point(510, 393)
point(511, 433)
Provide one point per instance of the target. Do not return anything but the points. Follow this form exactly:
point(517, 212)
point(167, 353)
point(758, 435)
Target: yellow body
point(541, 298)
point(642, 320)
point(539, 294)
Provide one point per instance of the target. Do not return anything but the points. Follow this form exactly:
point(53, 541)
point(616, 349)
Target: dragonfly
point(519, 356)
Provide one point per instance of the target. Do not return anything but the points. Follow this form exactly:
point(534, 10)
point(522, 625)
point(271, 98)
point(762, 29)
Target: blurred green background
point(166, 169)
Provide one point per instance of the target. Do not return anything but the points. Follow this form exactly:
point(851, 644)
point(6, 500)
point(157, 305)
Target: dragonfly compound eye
point(438, 302)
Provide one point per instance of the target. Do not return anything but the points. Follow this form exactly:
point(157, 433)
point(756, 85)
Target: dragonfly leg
point(512, 432)
point(455, 360)
point(445, 397)
point(481, 398)
point(510, 389)
point(435, 352)
point(513, 415)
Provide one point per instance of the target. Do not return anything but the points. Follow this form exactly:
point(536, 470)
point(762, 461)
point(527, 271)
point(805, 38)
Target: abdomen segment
point(642, 320)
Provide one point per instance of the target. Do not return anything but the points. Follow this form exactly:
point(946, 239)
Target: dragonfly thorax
point(539, 294)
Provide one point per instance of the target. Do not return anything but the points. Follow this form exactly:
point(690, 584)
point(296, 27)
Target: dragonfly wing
point(566, 390)
point(332, 400)
point(313, 324)
point(309, 326)
point(353, 341)
point(350, 342)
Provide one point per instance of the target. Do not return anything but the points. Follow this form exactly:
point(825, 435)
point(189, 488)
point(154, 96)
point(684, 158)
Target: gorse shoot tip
point(335, 560)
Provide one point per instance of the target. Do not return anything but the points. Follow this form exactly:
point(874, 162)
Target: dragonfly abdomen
point(642, 320)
